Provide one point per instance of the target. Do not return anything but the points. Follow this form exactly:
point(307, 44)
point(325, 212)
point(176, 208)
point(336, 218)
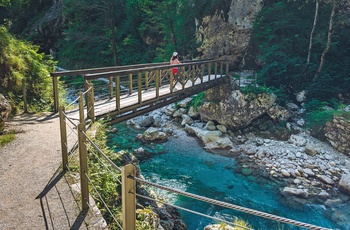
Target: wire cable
point(232, 206)
point(103, 201)
point(99, 159)
point(100, 151)
point(194, 212)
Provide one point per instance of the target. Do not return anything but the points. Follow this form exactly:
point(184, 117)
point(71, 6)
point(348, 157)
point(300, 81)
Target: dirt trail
point(34, 194)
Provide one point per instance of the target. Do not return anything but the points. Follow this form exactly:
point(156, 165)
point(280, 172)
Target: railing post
point(117, 92)
point(129, 197)
point(63, 130)
point(86, 87)
point(130, 83)
point(157, 83)
point(203, 71)
point(221, 68)
point(146, 79)
point(81, 108)
point(139, 88)
point(209, 71)
point(91, 108)
point(171, 81)
point(55, 93)
point(216, 69)
point(83, 167)
point(110, 87)
point(24, 95)
point(227, 69)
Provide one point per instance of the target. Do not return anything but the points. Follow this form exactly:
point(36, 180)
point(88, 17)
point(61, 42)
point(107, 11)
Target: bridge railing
point(159, 82)
point(79, 74)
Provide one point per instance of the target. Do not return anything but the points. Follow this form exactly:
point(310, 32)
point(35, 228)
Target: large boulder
point(337, 133)
point(153, 134)
point(211, 139)
point(344, 183)
point(5, 110)
point(236, 110)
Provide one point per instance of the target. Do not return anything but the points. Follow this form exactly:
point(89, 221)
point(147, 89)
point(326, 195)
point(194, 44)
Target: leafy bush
point(20, 60)
point(198, 100)
point(317, 115)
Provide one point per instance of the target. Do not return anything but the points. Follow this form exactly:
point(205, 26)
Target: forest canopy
point(293, 48)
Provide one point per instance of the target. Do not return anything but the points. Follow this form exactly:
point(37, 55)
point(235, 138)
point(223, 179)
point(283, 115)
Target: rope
point(232, 206)
point(103, 201)
point(99, 159)
point(72, 102)
point(100, 151)
point(194, 212)
point(87, 91)
point(70, 120)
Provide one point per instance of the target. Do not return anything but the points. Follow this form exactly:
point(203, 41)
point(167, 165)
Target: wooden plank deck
point(129, 103)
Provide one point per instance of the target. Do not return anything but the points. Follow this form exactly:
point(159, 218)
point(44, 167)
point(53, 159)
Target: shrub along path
point(34, 192)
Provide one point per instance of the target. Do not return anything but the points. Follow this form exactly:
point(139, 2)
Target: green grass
point(6, 138)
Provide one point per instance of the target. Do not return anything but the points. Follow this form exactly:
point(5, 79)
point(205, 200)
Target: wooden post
point(81, 108)
point(87, 83)
point(24, 95)
point(209, 71)
point(63, 130)
point(128, 197)
point(216, 69)
point(110, 87)
point(221, 68)
point(130, 83)
point(55, 93)
point(157, 83)
point(256, 79)
point(139, 88)
point(171, 81)
point(203, 70)
point(91, 109)
point(146, 80)
point(83, 167)
point(117, 92)
point(227, 74)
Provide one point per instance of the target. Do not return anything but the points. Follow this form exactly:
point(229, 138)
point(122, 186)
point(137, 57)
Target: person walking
point(174, 60)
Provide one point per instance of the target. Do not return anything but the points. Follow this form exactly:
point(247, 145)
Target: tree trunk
point(329, 39)
point(312, 32)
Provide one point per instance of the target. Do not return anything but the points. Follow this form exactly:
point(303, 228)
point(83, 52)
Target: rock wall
point(229, 39)
point(337, 133)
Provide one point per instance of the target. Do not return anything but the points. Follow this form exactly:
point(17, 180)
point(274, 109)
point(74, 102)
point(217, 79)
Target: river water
point(182, 163)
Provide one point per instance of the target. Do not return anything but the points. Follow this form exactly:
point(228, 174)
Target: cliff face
point(229, 39)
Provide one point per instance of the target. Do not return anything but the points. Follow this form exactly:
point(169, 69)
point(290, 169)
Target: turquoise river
point(183, 164)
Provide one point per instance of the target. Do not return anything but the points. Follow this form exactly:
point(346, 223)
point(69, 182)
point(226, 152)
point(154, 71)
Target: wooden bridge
point(138, 89)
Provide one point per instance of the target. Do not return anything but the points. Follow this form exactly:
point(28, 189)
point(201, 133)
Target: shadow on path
point(59, 204)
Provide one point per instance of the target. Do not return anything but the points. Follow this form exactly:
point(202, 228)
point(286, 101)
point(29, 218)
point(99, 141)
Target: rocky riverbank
point(307, 170)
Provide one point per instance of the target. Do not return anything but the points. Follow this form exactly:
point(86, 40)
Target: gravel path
point(34, 193)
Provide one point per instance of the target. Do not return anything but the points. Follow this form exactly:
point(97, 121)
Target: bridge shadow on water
point(60, 202)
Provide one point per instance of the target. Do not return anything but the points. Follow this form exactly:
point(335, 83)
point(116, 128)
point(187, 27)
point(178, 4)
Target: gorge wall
point(229, 39)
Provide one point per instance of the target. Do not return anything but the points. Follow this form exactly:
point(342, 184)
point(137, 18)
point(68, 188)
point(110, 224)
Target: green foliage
point(264, 89)
point(20, 60)
point(6, 138)
point(198, 100)
point(241, 224)
point(281, 37)
point(318, 115)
